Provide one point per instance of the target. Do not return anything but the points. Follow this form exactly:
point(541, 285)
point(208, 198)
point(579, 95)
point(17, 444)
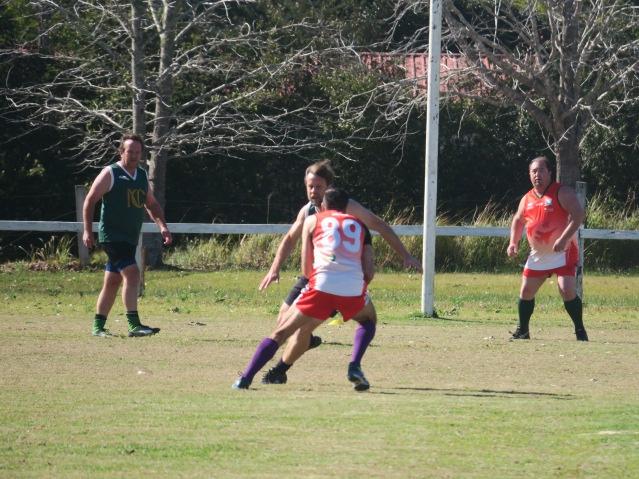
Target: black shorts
point(301, 283)
point(120, 255)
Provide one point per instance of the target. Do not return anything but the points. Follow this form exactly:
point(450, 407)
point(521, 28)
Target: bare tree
point(568, 63)
point(194, 77)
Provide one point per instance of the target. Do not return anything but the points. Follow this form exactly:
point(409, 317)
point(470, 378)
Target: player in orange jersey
point(552, 215)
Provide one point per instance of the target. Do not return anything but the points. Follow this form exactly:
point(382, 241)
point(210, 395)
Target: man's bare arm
point(307, 245)
point(284, 250)
point(374, 222)
point(569, 201)
point(157, 215)
point(516, 230)
point(101, 185)
point(368, 263)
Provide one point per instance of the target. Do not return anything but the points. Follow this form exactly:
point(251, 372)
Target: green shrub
point(258, 251)
point(454, 254)
point(54, 254)
point(202, 254)
point(617, 255)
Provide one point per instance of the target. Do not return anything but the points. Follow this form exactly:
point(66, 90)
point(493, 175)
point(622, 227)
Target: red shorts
point(569, 269)
point(320, 305)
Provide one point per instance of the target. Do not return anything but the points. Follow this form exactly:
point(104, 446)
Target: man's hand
point(166, 236)
point(87, 239)
point(512, 250)
point(271, 276)
point(560, 245)
point(410, 262)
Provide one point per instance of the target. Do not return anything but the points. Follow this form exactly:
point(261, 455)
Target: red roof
point(453, 69)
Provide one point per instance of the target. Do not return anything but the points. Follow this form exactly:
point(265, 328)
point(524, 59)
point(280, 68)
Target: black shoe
point(520, 334)
point(274, 377)
point(581, 334)
point(142, 331)
point(314, 342)
point(241, 383)
point(356, 376)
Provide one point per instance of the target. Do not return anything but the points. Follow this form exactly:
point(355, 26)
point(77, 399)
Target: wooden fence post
point(83, 251)
point(580, 188)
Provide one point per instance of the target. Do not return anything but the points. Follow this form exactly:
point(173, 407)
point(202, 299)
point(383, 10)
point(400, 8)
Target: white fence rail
point(205, 228)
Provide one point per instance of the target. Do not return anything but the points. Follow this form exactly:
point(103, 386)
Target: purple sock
point(364, 334)
point(264, 352)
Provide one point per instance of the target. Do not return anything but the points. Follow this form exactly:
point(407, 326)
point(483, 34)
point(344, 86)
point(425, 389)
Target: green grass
point(450, 397)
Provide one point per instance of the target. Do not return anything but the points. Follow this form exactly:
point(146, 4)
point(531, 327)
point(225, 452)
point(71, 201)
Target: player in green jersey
point(124, 190)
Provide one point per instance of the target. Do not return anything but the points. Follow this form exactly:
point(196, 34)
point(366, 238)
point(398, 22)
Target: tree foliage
point(569, 64)
point(242, 95)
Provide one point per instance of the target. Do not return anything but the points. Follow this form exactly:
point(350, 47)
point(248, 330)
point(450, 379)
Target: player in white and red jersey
point(318, 177)
point(337, 241)
point(332, 259)
point(552, 215)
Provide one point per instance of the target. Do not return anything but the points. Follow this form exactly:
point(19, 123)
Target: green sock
point(133, 319)
point(99, 322)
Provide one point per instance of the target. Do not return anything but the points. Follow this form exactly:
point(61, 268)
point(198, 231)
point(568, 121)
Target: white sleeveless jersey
point(338, 241)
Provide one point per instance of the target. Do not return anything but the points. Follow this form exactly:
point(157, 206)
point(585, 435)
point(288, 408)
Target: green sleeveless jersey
point(123, 206)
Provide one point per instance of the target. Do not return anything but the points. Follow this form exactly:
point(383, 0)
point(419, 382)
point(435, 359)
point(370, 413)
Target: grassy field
point(450, 397)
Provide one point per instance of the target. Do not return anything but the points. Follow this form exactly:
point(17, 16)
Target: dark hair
point(323, 169)
point(544, 159)
point(336, 199)
point(130, 136)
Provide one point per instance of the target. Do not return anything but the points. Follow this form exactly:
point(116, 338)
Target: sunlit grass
point(450, 397)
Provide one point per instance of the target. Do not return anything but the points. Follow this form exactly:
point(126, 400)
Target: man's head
point(131, 149)
point(540, 172)
point(335, 199)
point(318, 177)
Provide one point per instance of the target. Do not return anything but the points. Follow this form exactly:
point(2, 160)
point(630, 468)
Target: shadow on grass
point(485, 393)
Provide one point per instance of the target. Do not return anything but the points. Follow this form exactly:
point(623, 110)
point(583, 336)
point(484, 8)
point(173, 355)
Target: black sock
point(525, 308)
point(575, 310)
point(282, 367)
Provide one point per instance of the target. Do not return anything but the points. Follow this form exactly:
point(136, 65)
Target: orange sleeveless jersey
point(545, 220)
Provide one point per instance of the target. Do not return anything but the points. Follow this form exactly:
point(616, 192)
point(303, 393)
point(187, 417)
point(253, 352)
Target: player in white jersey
point(318, 177)
point(332, 259)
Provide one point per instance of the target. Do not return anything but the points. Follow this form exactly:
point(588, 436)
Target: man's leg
point(297, 344)
point(526, 305)
point(295, 348)
point(105, 302)
point(282, 315)
point(131, 279)
point(568, 290)
point(277, 374)
point(364, 334)
point(300, 342)
point(313, 341)
point(268, 346)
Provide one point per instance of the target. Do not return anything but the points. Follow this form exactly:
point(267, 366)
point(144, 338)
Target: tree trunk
point(137, 69)
point(568, 135)
point(137, 95)
point(161, 125)
point(568, 169)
